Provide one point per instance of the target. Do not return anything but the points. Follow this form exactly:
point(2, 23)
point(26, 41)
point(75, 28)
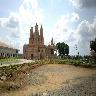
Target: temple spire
point(36, 27)
point(31, 32)
point(41, 35)
point(41, 26)
point(41, 31)
point(52, 41)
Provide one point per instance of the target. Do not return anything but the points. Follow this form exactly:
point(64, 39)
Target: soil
point(50, 80)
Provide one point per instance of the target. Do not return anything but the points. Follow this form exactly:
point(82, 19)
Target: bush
point(8, 70)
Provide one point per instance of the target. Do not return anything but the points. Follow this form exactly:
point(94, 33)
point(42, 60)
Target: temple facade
point(36, 48)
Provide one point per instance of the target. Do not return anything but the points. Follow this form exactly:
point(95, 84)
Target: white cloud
point(87, 32)
point(12, 22)
point(0, 24)
point(9, 30)
point(75, 17)
point(30, 12)
point(63, 27)
point(76, 3)
point(84, 3)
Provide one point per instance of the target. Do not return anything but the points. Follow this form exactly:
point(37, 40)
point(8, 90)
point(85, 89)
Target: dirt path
point(49, 79)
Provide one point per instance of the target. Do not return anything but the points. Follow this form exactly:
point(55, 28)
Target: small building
point(36, 48)
point(7, 51)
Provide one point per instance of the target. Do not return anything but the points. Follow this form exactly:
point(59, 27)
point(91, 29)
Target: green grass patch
point(9, 60)
point(75, 62)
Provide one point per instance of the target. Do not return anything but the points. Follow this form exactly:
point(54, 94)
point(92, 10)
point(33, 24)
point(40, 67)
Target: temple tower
point(31, 39)
point(41, 35)
point(36, 33)
point(52, 41)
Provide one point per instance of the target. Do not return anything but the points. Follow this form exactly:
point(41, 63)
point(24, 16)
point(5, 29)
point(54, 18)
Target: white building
point(7, 51)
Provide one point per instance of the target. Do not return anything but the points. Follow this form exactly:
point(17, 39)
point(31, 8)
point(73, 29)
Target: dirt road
point(58, 80)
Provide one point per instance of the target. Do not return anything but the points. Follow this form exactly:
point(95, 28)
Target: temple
point(36, 48)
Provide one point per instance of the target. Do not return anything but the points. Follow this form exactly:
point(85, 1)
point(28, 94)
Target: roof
point(2, 44)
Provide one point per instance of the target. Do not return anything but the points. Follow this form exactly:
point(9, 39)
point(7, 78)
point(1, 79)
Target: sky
point(69, 21)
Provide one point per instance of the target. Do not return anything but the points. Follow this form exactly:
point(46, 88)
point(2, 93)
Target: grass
point(8, 70)
point(8, 60)
point(78, 62)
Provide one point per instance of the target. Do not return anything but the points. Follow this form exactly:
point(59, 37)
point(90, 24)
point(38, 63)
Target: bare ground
point(53, 80)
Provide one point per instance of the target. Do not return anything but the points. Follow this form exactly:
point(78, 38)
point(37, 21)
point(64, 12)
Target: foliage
point(62, 48)
point(8, 59)
point(8, 70)
point(93, 50)
point(93, 45)
point(77, 62)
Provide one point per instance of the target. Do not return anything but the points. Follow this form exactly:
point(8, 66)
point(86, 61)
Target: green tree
point(93, 45)
point(93, 49)
point(62, 48)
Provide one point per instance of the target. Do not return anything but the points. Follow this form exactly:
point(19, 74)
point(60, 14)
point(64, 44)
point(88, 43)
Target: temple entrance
point(31, 56)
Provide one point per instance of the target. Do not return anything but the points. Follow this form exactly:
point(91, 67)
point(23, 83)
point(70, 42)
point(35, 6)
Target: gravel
point(86, 87)
point(39, 75)
point(36, 78)
point(80, 86)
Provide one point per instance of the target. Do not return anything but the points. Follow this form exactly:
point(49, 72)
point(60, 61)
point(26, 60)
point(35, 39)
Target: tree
point(62, 48)
point(93, 45)
point(93, 48)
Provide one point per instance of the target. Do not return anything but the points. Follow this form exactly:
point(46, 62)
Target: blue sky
point(6, 6)
point(69, 21)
